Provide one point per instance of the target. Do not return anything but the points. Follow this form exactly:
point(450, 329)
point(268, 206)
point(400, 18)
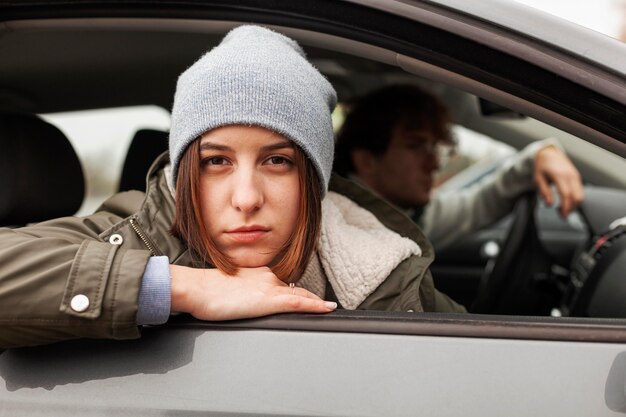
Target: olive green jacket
point(47, 269)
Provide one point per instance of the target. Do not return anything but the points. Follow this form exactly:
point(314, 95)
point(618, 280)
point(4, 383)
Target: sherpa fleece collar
point(356, 252)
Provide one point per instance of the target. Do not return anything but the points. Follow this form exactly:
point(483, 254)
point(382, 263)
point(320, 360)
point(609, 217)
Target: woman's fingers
point(212, 295)
point(295, 290)
point(302, 304)
point(293, 299)
point(299, 301)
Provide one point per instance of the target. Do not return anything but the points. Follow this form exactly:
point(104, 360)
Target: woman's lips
point(248, 234)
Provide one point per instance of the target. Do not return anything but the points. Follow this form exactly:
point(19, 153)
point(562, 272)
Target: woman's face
point(250, 192)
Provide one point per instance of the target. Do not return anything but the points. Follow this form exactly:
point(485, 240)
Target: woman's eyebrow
point(278, 145)
point(209, 146)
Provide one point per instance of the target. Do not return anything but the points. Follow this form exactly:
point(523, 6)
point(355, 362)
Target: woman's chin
point(251, 259)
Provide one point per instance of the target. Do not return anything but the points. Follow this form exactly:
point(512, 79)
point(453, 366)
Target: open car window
point(485, 111)
point(488, 133)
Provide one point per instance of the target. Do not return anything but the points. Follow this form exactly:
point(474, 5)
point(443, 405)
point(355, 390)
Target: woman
point(227, 228)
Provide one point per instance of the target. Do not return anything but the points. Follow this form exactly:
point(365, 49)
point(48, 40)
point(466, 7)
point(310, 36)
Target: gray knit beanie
point(258, 77)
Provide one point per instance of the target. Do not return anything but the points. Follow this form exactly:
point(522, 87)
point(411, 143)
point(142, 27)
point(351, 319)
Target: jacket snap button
point(79, 303)
point(116, 239)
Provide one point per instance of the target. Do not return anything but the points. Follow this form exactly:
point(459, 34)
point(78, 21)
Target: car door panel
point(191, 371)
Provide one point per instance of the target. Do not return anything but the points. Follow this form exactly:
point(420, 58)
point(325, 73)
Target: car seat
point(146, 145)
point(40, 175)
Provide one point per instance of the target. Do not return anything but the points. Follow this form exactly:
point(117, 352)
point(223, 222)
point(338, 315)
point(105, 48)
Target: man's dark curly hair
point(371, 120)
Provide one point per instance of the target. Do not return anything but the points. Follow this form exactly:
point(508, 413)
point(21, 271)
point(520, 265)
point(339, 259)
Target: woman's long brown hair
point(189, 226)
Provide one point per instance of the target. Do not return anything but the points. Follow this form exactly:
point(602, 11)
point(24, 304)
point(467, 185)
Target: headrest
point(40, 174)
point(146, 145)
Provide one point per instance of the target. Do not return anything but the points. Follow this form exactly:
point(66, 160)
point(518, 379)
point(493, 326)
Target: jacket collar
point(156, 214)
point(355, 253)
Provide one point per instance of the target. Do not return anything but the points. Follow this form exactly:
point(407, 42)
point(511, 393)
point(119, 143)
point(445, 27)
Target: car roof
point(544, 28)
point(502, 25)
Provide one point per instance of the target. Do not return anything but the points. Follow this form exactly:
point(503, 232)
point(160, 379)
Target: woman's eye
point(278, 160)
point(216, 160)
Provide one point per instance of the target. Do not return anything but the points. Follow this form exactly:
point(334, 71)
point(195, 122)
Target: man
point(391, 142)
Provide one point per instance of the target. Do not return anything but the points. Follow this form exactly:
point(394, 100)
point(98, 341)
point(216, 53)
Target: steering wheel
point(507, 285)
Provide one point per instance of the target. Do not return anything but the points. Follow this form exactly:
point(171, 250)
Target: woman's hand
point(209, 294)
point(552, 166)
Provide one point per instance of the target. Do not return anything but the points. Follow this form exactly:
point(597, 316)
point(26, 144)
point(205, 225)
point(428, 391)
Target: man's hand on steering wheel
point(552, 166)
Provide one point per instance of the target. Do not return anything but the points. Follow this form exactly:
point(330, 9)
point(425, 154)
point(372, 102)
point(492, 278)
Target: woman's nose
point(247, 193)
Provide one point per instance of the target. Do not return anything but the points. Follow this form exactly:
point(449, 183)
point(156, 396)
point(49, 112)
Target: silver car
point(516, 75)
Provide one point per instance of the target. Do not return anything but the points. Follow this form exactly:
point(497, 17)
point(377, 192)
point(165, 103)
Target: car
point(549, 334)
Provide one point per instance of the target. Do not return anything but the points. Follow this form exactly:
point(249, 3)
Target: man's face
point(404, 173)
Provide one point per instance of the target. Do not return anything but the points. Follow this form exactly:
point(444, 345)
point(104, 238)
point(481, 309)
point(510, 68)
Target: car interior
point(575, 264)
point(42, 175)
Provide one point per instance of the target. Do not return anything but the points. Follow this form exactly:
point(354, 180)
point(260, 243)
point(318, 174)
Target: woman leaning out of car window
point(242, 220)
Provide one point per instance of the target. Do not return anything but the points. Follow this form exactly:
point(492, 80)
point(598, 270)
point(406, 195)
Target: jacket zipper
point(144, 238)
